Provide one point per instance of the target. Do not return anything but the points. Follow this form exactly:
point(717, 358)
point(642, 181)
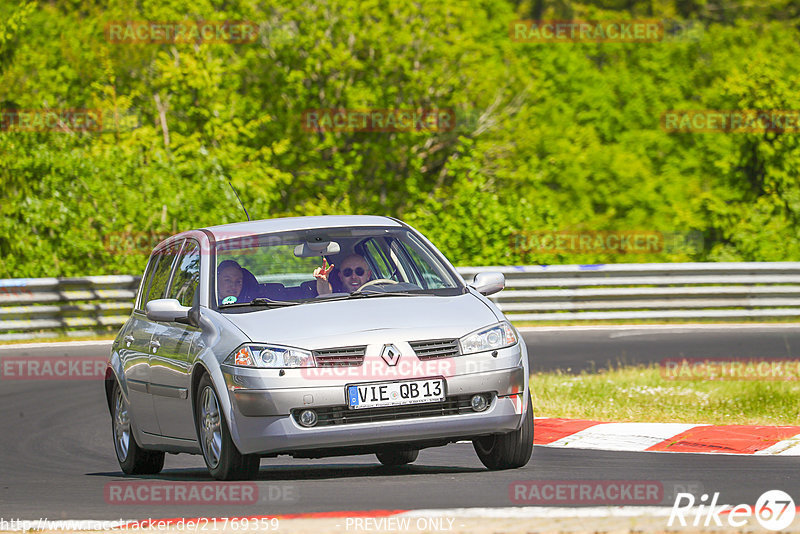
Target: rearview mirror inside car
point(322, 248)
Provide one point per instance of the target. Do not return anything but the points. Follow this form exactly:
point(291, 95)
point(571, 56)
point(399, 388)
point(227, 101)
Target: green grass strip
point(641, 394)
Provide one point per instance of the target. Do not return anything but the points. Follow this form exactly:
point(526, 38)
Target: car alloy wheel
point(122, 426)
point(223, 459)
point(133, 459)
point(210, 432)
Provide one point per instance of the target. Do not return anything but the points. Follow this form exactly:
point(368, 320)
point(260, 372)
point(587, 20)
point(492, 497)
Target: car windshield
point(329, 263)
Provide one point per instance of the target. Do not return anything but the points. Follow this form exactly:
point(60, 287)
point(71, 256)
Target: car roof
point(287, 224)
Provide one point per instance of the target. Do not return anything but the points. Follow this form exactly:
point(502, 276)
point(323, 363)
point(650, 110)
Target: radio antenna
point(239, 199)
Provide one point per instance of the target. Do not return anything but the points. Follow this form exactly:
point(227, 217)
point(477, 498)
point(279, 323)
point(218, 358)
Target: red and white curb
point(667, 437)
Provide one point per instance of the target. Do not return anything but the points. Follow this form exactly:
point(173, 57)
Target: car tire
point(133, 459)
point(507, 451)
point(223, 459)
point(397, 456)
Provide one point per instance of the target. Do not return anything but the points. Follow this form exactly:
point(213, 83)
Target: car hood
point(363, 321)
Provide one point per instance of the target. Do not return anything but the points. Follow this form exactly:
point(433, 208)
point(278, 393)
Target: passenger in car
point(235, 281)
point(230, 277)
point(352, 273)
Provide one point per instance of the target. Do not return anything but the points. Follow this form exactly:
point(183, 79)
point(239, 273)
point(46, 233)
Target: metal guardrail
point(49, 307)
point(46, 307)
point(648, 291)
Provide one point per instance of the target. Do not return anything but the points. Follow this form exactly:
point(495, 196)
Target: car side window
point(433, 279)
point(407, 268)
point(187, 274)
point(141, 298)
point(380, 264)
point(158, 283)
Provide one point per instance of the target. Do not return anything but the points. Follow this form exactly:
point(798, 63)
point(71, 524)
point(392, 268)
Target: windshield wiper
point(262, 301)
point(359, 293)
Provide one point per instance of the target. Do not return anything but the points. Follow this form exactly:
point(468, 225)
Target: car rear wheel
point(397, 457)
point(507, 451)
point(223, 459)
point(133, 459)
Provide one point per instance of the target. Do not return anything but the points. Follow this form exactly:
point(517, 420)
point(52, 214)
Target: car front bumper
point(262, 421)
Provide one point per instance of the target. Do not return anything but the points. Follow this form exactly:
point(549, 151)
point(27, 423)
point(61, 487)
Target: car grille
point(340, 356)
point(341, 415)
point(435, 348)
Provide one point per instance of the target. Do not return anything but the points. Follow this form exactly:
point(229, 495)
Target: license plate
point(395, 393)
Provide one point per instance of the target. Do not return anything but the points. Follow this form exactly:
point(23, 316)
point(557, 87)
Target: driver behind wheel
point(352, 273)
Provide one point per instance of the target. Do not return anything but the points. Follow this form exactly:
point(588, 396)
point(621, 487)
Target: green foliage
point(550, 137)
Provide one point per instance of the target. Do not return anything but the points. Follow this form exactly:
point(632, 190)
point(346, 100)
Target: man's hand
point(321, 274)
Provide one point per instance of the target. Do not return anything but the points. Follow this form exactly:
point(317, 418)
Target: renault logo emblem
point(390, 355)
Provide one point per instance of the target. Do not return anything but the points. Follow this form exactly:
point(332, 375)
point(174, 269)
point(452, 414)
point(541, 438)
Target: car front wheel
point(507, 451)
point(223, 459)
point(133, 459)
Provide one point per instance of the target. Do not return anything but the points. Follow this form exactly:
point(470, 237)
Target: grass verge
point(641, 394)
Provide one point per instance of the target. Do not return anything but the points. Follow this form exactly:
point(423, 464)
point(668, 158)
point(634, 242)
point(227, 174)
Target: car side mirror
point(489, 283)
point(168, 310)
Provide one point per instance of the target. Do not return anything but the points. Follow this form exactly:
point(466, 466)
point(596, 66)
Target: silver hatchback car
point(314, 337)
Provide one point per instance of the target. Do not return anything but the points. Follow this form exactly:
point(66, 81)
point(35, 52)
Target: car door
point(139, 373)
point(136, 343)
point(173, 345)
point(133, 357)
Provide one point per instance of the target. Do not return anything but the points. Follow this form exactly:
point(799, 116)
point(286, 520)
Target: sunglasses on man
point(348, 272)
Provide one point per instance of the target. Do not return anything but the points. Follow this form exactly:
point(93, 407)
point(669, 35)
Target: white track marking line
point(785, 447)
point(622, 436)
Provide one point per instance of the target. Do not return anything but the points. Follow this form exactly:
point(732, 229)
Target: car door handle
point(129, 339)
point(155, 345)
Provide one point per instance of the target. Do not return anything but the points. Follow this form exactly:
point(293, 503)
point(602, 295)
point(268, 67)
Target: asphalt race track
point(588, 348)
point(58, 457)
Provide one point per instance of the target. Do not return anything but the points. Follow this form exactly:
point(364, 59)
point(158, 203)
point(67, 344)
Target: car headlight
point(270, 357)
point(494, 337)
